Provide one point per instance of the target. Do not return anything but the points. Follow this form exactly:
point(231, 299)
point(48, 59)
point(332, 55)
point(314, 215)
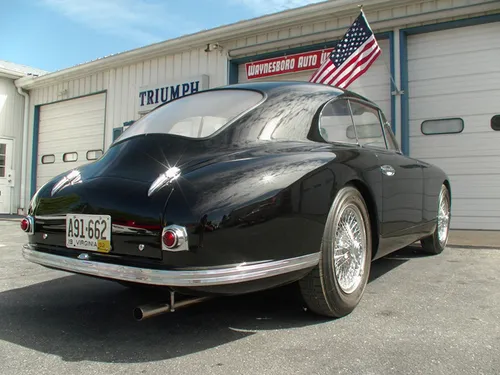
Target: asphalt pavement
point(419, 315)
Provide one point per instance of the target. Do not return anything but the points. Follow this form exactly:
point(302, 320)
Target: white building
point(12, 113)
point(443, 56)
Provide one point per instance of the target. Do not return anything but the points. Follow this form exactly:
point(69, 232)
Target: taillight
point(169, 239)
point(174, 238)
point(27, 224)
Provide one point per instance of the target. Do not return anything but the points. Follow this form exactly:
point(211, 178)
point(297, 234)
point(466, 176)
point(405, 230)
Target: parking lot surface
point(419, 315)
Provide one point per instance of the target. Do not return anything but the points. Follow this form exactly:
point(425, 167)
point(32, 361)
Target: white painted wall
point(11, 126)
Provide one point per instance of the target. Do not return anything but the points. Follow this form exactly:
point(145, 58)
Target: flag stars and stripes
point(352, 56)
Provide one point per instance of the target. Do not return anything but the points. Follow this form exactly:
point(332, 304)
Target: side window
point(335, 121)
point(368, 127)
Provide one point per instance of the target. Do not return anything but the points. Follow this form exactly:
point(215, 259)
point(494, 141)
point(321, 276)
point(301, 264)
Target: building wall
point(416, 13)
point(11, 126)
point(122, 86)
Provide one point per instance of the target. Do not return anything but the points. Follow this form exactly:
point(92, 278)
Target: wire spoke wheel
point(349, 248)
point(443, 217)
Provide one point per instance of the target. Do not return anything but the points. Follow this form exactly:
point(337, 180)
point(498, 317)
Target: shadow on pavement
point(79, 318)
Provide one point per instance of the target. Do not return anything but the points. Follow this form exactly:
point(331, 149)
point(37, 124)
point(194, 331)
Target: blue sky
point(56, 34)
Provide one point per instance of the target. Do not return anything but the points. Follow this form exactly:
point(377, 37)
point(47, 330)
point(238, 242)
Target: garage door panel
point(453, 145)
point(475, 223)
point(460, 104)
point(455, 41)
point(85, 132)
point(481, 165)
point(484, 207)
point(75, 125)
point(481, 187)
point(90, 118)
point(446, 66)
point(446, 86)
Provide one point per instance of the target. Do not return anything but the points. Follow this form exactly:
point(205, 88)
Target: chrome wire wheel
point(349, 248)
point(443, 217)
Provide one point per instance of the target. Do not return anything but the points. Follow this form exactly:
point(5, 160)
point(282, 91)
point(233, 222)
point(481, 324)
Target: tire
point(436, 243)
point(323, 291)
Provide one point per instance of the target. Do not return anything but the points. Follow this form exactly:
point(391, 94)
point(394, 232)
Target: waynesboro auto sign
point(152, 96)
point(287, 64)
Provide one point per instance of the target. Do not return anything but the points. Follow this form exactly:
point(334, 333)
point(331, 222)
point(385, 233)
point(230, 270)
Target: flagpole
point(396, 90)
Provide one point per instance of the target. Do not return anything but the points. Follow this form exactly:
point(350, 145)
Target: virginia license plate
point(89, 232)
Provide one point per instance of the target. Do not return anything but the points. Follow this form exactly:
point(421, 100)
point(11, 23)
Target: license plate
point(89, 232)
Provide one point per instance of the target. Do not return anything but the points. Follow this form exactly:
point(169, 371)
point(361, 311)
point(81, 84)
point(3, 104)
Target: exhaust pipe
point(154, 309)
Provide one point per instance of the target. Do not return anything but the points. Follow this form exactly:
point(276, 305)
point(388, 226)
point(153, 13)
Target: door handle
point(388, 170)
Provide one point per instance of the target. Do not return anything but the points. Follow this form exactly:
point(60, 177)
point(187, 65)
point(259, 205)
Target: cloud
point(261, 7)
point(144, 21)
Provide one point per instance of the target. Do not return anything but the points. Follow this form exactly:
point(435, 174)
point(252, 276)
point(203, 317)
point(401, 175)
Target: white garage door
point(454, 78)
point(374, 84)
point(71, 133)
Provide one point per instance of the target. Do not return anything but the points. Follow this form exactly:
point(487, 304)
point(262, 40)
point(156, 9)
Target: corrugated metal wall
point(330, 22)
point(11, 126)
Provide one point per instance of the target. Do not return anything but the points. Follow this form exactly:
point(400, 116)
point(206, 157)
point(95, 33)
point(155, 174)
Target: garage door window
point(70, 156)
point(442, 126)
point(48, 159)
point(94, 154)
point(495, 122)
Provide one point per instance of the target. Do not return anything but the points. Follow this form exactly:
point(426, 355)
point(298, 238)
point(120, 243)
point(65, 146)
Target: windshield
point(195, 116)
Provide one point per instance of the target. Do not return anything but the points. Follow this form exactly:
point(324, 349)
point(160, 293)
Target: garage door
point(71, 133)
point(374, 84)
point(454, 88)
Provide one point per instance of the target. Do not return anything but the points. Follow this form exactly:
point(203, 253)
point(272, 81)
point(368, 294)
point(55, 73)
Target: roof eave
point(12, 74)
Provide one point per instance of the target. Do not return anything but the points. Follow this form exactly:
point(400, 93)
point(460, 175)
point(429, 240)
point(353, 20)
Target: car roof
point(272, 88)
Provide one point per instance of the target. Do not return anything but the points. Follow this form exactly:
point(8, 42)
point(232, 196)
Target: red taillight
point(169, 239)
point(25, 225)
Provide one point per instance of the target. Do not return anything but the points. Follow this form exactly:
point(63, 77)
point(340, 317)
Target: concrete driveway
point(419, 315)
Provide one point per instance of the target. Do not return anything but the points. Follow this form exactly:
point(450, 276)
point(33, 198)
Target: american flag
point(352, 56)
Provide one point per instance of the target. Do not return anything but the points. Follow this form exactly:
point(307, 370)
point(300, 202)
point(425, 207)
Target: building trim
point(34, 150)
point(403, 51)
point(36, 129)
point(74, 97)
point(392, 84)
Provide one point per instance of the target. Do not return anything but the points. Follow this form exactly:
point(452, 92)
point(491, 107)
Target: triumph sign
point(287, 64)
point(153, 95)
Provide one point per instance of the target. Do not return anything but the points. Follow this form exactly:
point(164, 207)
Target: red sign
point(287, 64)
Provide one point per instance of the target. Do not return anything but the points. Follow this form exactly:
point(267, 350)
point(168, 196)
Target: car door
point(402, 177)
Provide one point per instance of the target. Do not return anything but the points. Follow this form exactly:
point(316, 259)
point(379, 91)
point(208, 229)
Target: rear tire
point(335, 286)
point(436, 243)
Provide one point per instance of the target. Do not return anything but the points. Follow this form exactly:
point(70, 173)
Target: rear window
point(195, 116)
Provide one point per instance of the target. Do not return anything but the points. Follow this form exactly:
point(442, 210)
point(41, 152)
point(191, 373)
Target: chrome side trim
point(203, 277)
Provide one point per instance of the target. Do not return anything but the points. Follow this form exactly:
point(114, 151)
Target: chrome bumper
point(207, 276)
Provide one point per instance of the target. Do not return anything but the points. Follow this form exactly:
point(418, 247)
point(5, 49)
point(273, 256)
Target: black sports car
point(243, 188)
